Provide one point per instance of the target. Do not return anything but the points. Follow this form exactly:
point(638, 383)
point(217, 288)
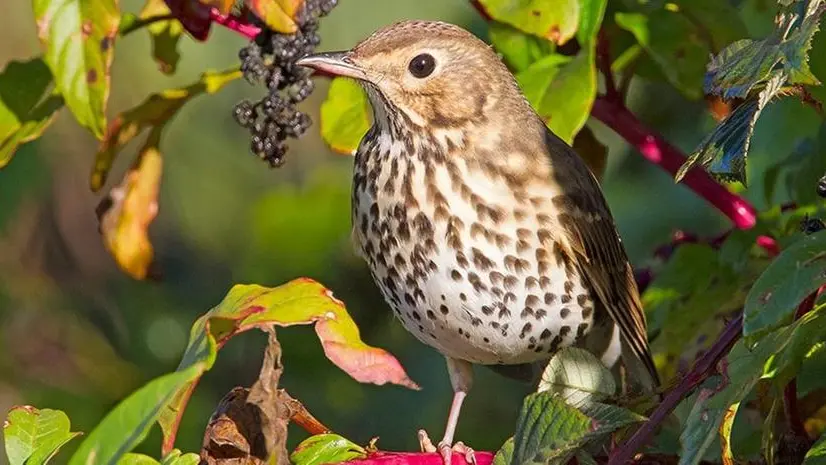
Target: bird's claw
point(445, 449)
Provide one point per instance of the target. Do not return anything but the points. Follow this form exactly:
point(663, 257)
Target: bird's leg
point(461, 378)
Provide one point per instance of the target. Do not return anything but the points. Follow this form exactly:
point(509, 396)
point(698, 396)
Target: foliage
point(573, 59)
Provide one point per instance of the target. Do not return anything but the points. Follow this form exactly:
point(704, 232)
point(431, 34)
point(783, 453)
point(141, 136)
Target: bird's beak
point(334, 63)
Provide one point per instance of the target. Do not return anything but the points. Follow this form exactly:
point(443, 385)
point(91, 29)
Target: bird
point(488, 235)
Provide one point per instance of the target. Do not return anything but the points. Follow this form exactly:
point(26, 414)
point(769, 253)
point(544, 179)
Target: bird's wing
point(590, 239)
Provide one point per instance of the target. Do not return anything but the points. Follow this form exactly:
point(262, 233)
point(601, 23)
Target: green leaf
point(805, 341)
point(505, 454)
point(154, 112)
point(556, 21)
point(326, 448)
point(724, 151)
point(177, 457)
point(817, 454)
point(345, 116)
point(79, 37)
point(129, 423)
point(33, 436)
point(27, 107)
point(536, 79)
point(742, 66)
point(744, 368)
point(797, 45)
point(137, 459)
point(717, 23)
point(794, 274)
point(550, 431)
point(578, 377)
point(670, 39)
point(165, 35)
point(590, 19)
point(518, 49)
point(301, 301)
point(725, 432)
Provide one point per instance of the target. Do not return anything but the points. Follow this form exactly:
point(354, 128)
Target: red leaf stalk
point(234, 24)
point(419, 458)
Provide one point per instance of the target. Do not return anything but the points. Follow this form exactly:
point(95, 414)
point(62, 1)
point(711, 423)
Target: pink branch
point(658, 151)
point(234, 24)
point(418, 458)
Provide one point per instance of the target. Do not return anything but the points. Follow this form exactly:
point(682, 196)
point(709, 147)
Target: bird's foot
point(445, 449)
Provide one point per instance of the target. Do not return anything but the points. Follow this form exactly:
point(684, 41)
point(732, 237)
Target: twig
point(301, 416)
point(604, 63)
point(688, 383)
point(141, 23)
point(234, 24)
point(655, 149)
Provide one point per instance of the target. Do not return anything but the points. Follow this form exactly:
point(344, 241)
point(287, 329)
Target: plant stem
point(655, 149)
point(790, 391)
point(141, 23)
point(234, 24)
point(699, 372)
point(604, 64)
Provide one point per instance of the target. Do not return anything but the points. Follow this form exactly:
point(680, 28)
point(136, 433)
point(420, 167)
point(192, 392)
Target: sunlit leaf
point(345, 116)
point(79, 38)
point(518, 49)
point(33, 436)
point(724, 151)
point(177, 457)
point(165, 35)
point(136, 459)
point(725, 433)
point(326, 448)
point(302, 301)
point(578, 377)
point(805, 341)
point(797, 272)
point(130, 208)
point(26, 105)
point(550, 431)
point(556, 21)
point(155, 111)
point(279, 15)
point(129, 422)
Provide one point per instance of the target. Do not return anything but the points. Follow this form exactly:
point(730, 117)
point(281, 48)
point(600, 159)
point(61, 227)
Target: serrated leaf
point(79, 38)
point(817, 454)
point(744, 368)
point(550, 431)
point(578, 377)
point(301, 301)
point(740, 67)
point(797, 272)
point(326, 448)
point(130, 208)
point(33, 436)
point(27, 107)
point(345, 116)
point(165, 35)
point(505, 453)
point(723, 152)
point(129, 422)
point(518, 49)
point(670, 39)
point(279, 15)
point(155, 111)
point(556, 21)
point(796, 47)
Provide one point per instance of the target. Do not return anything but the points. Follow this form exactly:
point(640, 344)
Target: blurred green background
point(78, 335)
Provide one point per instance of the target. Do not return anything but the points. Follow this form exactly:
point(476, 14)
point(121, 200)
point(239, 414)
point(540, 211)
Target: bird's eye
point(422, 65)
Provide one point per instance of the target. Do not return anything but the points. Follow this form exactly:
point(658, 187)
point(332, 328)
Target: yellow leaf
point(276, 13)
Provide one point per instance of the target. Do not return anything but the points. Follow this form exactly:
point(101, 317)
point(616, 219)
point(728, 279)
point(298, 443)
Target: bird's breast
point(465, 258)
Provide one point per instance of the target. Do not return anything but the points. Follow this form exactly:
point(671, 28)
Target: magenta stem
point(658, 151)
point(234, 24)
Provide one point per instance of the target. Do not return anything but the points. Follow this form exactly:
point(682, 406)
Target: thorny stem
point(699, 372)
point(234, 24)
point(657, 150)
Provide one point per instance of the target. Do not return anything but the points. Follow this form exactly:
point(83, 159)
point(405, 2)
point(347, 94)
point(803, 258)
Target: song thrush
point(487, 234)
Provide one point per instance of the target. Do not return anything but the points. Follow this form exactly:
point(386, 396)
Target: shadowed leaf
point(556, 21)
point(33, 436)
point(302, 301)
point(345, 116)
point(817, 454)
point(797, 272)
point(128, 210)
point(326, 448)
point(79, 38)
point(155, 111)
point(518, 49)
point(195, 15)
point(26, 105)
point(165, 36)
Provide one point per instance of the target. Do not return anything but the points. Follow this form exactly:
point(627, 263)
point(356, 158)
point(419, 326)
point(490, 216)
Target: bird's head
point(431, 74)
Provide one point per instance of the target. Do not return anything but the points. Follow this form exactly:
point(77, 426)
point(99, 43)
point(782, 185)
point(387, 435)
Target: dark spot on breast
point(409, 299)
point(456, 275)
point(549, 298)
point(463, 296)
point(462, 260)
point(564, 331)
point(487, 309)
point(564, 312)
point(586, 312)
point(581, 299)
point(581, 329)
point(431, 315)
point(510, 282)
point(532, 300)
point(525, 330)
point(526, 312)
point(443, 308)
point(546, 333)
point(531, 283)
point(565, 299)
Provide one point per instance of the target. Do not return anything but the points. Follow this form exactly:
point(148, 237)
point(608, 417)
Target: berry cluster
point(270, 59)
